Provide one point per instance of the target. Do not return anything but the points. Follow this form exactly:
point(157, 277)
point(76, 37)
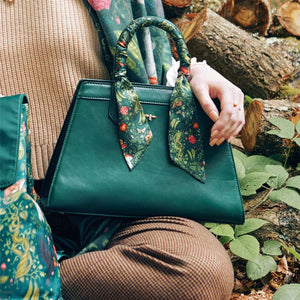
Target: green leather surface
point(88, 174)
point(10, 118)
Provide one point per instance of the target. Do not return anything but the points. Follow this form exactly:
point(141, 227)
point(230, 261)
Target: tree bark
point(253, 16)
point(247, 61)
point(288, 14)
point(254, 135)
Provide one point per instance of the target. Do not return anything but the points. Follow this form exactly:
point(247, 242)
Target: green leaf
point(279, 176)
point(239, 155)
point(297, 141)
point(2, 211)
point(3, 279)
point(257, 163)
point(245, 246)
point(249, 226)
point(293, 251)
point(223, 230)
point(298, 127)
point(252, 182)
point(240, 169)
point(24, 215)
point(294, 182)
point(210, 225)
point(286, 128)
point(288, 291)
point(286, 195)
point(247, 100)
point(225, 239)
point(260, 267)
point(272, 248)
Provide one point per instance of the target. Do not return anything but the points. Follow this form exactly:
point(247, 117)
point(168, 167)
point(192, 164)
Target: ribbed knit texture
point(46, 47)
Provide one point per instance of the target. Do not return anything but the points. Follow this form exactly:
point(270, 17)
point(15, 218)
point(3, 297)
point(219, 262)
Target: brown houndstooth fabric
point(154, 258)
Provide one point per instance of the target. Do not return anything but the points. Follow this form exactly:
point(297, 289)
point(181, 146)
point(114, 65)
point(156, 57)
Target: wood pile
point(244, 41)
point(253, 16)
point(247, 61)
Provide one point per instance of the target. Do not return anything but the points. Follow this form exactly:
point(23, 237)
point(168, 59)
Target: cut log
point(254, 135)
point(176, 8)
point(188, 27)
point(288, 14)
point(254, 16)
point(247, 61)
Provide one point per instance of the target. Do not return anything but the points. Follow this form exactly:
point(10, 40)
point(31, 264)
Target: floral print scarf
point(149, 53)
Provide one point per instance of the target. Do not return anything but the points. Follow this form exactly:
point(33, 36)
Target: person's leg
point(154, 258)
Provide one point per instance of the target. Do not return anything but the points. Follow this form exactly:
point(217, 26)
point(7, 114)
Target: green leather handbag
point(88, 174)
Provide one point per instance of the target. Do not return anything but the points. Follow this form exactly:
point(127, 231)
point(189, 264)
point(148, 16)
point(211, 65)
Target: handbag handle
point(127, 35)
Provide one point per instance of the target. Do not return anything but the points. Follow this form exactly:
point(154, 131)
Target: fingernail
point(220, 141)
point(214, 133)
point(213, 116)
point(212, 143)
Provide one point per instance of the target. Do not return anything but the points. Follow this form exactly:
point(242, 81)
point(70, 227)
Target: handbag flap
point(10, 118)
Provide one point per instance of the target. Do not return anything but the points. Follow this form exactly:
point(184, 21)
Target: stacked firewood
point(238, 41)
point(256, 16)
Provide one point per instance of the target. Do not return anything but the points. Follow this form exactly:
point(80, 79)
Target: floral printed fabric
point(149, 55)
point(185, 141)
point(134, 132)
point(28, 261)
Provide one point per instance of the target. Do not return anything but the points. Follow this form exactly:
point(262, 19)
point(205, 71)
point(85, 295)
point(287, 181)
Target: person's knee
point(212, 278)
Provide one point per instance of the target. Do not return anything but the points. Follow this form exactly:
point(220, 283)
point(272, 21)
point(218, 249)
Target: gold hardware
point(150, 117)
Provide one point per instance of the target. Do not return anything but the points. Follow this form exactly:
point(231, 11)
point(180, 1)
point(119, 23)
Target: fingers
point(209, 107)
point(207, 84)
point(231, 118)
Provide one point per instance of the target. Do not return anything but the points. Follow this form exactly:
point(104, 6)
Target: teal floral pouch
point(28, 261)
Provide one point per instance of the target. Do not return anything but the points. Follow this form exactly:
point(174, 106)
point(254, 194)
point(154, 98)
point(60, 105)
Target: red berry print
point(123, 127)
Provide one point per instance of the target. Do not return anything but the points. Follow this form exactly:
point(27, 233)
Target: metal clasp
point(150, 117)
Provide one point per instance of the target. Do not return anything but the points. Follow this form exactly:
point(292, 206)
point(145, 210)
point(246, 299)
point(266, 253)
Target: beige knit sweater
point(46, 47)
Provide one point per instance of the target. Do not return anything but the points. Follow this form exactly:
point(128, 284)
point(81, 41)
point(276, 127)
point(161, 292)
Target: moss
point(288, 92)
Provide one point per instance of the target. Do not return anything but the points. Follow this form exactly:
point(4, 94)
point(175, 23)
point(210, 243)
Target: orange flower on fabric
point(195, 125)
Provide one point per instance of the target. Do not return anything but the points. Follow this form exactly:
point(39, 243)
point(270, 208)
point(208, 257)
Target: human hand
point(208, 84)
